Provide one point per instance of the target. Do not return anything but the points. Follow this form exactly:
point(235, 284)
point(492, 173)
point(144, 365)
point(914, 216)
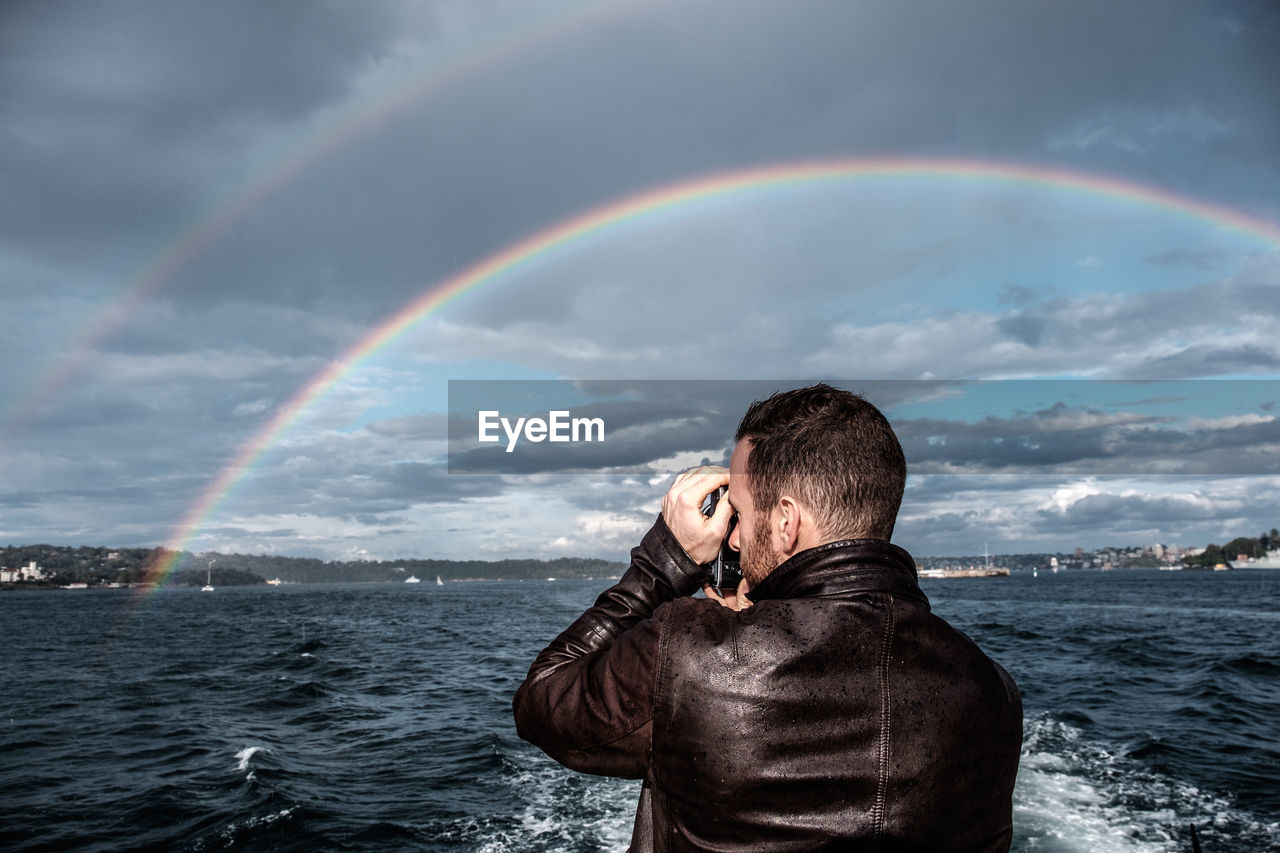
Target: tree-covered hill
point(217, 577)
point(100, 565)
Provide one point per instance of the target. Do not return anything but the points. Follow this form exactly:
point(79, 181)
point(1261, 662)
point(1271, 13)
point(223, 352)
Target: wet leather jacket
point(837, 713)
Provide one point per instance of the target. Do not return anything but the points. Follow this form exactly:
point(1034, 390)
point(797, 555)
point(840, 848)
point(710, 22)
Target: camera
point(725, 570)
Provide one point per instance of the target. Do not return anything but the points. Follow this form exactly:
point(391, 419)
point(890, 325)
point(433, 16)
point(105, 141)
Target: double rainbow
point(651, 205)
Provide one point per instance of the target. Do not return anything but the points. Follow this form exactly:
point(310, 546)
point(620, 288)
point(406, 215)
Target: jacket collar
point(847, 567)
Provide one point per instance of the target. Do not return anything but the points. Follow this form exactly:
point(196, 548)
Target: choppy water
point(376, 718)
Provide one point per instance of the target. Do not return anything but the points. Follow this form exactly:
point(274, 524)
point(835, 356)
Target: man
point(827, 709)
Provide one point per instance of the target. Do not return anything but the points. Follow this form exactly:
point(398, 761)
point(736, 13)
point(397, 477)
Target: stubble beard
point(760, 558)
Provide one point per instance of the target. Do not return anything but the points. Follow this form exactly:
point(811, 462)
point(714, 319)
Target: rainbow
point(69, 355)
point(651, 205)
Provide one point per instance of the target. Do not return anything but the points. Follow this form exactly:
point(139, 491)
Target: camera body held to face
point(726, 570)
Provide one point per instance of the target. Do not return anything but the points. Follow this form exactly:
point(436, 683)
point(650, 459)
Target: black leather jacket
point(838, 713)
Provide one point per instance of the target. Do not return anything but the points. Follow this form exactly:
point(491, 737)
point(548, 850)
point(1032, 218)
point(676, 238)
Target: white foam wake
point(230, 834)
point(247, 753)
point(1074, 796)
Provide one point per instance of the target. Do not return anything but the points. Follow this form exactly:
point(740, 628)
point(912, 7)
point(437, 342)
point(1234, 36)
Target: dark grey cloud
point(121, 116)
point(643, 100)
point(647, 422)
point(1028, 515)
point(1024, 328)
point(1066, 439)
point(429, 427)
point(1098, 510)
point(324, 481)
point(238, 532)
point(1227, 321)
point(1211, 359)
point(660, 420)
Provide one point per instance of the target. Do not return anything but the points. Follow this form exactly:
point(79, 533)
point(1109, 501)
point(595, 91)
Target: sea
point(377, 717)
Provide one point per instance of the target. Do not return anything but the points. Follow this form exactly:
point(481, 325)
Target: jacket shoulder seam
point(659, 709)
point(659, 685)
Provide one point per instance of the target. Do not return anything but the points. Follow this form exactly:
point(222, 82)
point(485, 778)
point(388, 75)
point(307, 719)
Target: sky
point(246, 247)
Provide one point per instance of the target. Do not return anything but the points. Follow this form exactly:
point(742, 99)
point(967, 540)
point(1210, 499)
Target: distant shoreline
point(924, 575)
point(36, 586)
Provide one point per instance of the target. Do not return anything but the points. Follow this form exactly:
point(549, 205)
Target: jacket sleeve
point(588, 699)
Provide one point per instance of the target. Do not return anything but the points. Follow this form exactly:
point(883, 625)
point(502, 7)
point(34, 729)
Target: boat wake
point(1074, 795)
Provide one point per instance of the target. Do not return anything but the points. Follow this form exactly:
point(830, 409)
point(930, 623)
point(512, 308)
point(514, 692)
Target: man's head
point(817, 454)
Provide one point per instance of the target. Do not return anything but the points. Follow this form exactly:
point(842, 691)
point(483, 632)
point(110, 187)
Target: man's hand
point(699, 535)
point(734, 599)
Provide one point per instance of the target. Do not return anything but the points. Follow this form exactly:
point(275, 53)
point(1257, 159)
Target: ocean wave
point(244, 756)
point(1074, 794)
point(359, 719)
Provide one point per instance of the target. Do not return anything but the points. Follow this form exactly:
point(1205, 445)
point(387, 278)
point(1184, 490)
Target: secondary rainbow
point(645, 207)
point(66, 357)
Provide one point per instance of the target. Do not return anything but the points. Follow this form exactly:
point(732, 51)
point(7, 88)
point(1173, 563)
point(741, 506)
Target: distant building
point(29, 572)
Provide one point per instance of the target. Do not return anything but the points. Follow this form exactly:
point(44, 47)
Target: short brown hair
point(833, 451)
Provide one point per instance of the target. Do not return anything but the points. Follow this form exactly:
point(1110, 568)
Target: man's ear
point(787, 521)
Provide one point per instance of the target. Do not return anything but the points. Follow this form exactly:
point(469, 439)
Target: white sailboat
point(208, 578)
point(438, 581)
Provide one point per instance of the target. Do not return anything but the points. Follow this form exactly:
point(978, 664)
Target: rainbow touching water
point(573, 234)
point(68, 356)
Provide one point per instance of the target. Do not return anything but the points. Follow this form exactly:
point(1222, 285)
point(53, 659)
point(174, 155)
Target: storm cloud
point(207, 208)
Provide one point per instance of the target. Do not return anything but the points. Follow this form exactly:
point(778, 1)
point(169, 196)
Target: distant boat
point(961, 572)
point(412, 579)
point(985, 571)
point(274, 582)
point(1270, 561)
point(208, 578)
point(438, 581)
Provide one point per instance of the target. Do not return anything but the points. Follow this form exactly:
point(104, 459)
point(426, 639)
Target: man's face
point(751, 538)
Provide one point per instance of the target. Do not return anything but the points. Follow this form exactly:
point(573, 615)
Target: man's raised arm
point(588, 698)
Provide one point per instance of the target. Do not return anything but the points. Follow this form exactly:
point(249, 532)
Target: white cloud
point(1139, 131)
point(1230, 421)
point(251, 407)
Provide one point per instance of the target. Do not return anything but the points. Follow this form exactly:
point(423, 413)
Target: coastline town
point(66, 567)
